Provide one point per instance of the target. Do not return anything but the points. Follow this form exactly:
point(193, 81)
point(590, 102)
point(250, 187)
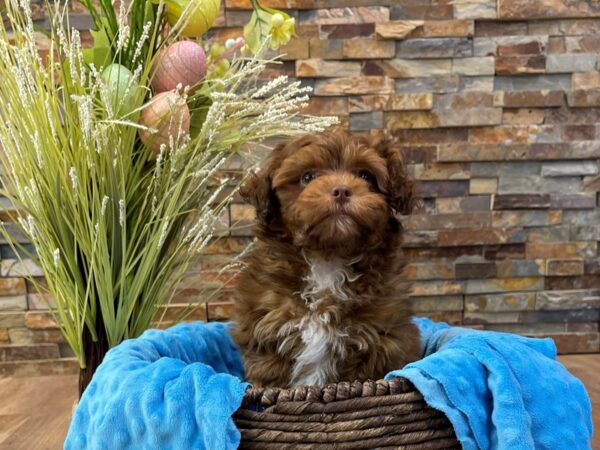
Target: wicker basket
point(359, 415)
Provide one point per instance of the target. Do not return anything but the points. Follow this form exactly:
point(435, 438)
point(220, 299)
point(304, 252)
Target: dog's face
point(331, 192)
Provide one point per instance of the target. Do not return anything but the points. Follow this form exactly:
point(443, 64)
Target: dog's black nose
point(341, 194)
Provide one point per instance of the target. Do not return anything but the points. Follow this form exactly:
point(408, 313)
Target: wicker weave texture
point(360, 415)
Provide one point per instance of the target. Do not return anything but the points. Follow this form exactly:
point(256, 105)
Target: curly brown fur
point(321, 298)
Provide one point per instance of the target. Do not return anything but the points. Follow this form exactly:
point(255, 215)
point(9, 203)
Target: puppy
point(321, 299)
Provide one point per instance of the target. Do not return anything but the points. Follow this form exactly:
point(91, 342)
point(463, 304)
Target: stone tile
point(13, 302)
point(319, 68)
point(447, 221)
point(411, 119)
point(574, 201)
point(488, 169)
point(493, 303)
point(435, 84)
point(520, 48)
point(491, 236)
point(471, 117)
point(483, 186)
point(532, 82)
point(397, 29)
point(419, 10)
point(406, 102)
point(464, 100)
point(12, 319)
point(368, 49)
point(466, 204)
point(467, 152)
point(564, 267)
point(366, 121)
point(475, 10)
point(489, 46)
point(475, 318)
point(475, 270)
point(62, 366)
point(529, 99)
point(430, 304)
point(438, 270)
point(556, 44)
point(419, 239)
point(28, 352)
point(570, 299)
point(562, 27)
point(344, 31)
point(477, 83)
point(568, 63)
point(40, 320)
point(350, 15)
point(518, 268)
point(569, 343)
point(517, 9)
point(524, 218)
point(522, 201)
point(584, 98)
point(520, 64)
point(12, 286)
point(434, 48)
point(437, 288)
point(474, 66)
point(522, 116)
point(569, 168)
point(452, 171)
point(429, 189)
point(409, 68)
point(354, 85)
point(497, 285)
point(560, 249)
point(295, 49)
point(448, 28)
point(327, 106)
point(578, 132)
point(489, 28)
point(585, 80)
point(584, 233)
point(324, 49)
point(16, 268)
point(547, 234)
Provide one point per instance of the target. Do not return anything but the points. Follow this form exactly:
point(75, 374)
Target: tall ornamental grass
point(115, 225)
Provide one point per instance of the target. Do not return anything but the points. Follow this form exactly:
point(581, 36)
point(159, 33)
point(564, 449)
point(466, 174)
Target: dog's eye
point(366, 175)
point(307, 177)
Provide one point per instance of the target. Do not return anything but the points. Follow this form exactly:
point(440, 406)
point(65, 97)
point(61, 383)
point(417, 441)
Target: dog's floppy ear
point(400, 185)
point(257, 190)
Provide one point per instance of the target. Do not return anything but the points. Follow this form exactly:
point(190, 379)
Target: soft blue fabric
point(499, 390)
point(177, 389)
point(167, 390)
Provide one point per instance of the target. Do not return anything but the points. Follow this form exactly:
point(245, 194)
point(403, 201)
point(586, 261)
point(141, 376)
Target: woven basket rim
point(332, 392)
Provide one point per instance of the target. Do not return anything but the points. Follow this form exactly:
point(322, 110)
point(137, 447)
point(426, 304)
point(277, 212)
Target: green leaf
point(101, 53)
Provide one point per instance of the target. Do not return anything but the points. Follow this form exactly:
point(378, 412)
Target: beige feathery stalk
point(114, 226)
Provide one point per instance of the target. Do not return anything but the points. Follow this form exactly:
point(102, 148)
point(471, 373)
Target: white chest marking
point(324, 344)
point(327, 277)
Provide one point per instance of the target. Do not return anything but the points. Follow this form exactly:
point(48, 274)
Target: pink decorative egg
point(167, 113)
point(183, 62)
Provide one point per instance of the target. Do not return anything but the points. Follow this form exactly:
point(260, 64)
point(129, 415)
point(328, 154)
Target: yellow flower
point(268, 23)
point(282, 30)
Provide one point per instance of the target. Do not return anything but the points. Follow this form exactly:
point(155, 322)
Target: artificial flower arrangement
point(113, 154)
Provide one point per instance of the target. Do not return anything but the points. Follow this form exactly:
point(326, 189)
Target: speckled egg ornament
point(182, 63)
point(167, 113)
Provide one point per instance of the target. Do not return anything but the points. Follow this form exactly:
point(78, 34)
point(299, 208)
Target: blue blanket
point(177, 389)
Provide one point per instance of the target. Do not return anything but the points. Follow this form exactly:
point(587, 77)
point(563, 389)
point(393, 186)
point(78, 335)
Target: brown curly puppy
point(321, 299)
